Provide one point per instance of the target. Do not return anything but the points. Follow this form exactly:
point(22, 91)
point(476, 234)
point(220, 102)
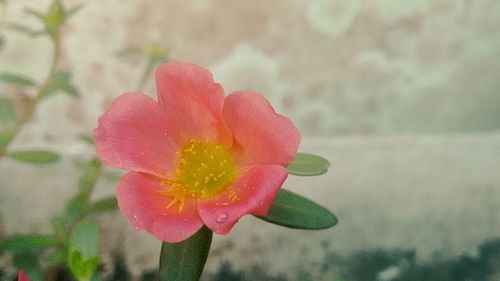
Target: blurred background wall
point(337, 67)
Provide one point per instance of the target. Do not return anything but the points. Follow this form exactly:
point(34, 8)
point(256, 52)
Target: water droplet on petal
point(221, 218)
point(261, 203)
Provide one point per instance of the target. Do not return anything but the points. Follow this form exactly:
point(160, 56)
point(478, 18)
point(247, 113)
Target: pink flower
point(21, 276)
point(195, 157)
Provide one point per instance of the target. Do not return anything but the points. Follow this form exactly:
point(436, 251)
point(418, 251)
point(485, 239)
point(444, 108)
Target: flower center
point(204, 170)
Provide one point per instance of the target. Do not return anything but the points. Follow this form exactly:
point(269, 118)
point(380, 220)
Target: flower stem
point(184, 261)
point(41, 90)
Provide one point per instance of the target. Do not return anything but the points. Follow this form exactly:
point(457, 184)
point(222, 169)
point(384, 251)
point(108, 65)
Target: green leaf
point(83, 257)
point(28, 261)
point(129, 51)
point(2, 42)
point(184, 261)
point(16, 79)
point(7, 114)
point(85, 238)
point(6, 137)
point(157, 53)
point(55, 17)
point(34, 13)
point(294, 211)
point(103, 205)
point(73, 10)
point(305, 164)
point(34, 156)
point(86, 185)
point(29, 242)
point(26, 30)
point(61, 82)
point(83, 269)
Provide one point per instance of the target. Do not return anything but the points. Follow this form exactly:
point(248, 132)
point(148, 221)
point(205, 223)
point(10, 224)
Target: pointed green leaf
point(306, 164)
point(103, 205)
point(294, 211)
point(28, 242)
point(34, 156)
point(16, 79)
point(55, 17)
point(184, 261)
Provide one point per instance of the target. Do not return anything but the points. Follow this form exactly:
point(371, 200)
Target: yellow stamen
point(204, 170)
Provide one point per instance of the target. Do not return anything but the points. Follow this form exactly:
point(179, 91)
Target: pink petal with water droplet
point(252, 193)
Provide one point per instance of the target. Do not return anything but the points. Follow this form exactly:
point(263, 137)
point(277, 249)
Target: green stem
point(184, 261)
point(33, 102)
point(145, 75)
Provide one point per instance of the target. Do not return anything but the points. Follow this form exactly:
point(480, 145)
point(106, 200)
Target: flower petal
point(135, 134)
point(253, 193)
point(139, 199)
point(192, 98)
point(261, 136)
point(21, 276)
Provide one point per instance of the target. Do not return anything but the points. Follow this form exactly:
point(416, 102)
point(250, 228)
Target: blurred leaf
point(59, 228)
point(184, 261)
point(305, 164)
point(6, 137)
point(61, 81)
point(58, 257)
point(86, 138)
point(85, 186)
point(34, 156)
point(34, 13)
point(28, 261)
point(83, 257)
point(7, 123)
point(19, 28)
point(55, 17)
point(294, 211)
point(157, 53)
point(75, 9)
point(129, 51)
point(16, 79)
point(28, 242)
point(83, 269)
point(74, 208)
point(89, 179)
point(85, 238)
point(7, 114)
point(2, 42)
point(103, 205)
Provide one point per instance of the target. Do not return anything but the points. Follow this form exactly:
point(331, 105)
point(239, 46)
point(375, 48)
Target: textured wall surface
point(335, 66)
